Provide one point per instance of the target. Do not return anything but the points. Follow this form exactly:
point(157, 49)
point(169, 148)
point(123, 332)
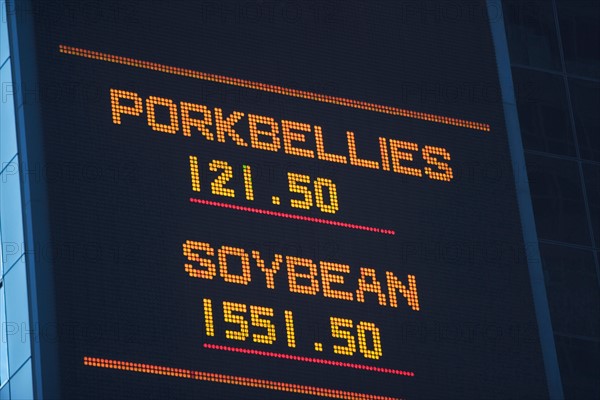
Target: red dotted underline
point(309, 359)
point(293, 216)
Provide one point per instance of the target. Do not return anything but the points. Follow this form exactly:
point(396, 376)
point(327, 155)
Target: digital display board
point(282, 200)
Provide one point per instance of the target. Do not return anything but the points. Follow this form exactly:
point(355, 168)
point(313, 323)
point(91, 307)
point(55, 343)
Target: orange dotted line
point(294, 216)
point(309, 359)
point(228, 379)
point(273, 88)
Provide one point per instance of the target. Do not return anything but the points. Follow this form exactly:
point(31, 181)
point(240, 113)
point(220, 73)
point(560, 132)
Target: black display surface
point(282, 200)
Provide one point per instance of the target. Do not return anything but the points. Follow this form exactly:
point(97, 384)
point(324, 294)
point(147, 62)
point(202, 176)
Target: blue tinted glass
point(17, 316)
point(579, 362)
point(5, 392)
point(580, 30)
point(4, 50)
point(557, 199)
point(531, 33)
point(10, 215)
point(21, 384)
point(591, 175)
point(3, 343)
point(8, 137)
point(543, 112)
point(565, 269)
point(585, 97)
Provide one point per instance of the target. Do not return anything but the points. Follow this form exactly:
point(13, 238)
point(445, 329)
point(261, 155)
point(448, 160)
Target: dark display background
point(120, 211)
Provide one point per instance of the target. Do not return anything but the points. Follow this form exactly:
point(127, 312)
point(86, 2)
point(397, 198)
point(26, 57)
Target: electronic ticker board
point(281, 200)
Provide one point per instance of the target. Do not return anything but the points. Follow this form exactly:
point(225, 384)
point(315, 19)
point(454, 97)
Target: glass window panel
point(557, 198)
point(5, 392)
point(17, 317)
point(21, 384)
point(543, 112)
point(8, 136)
point(531, 33)
point(4, 50)
point(570, 271)
point(1, 247)
point(10, 215)
point(4, 375)
point(585, 98)
point(579, 363)
point(580, 30)
point(591, 174)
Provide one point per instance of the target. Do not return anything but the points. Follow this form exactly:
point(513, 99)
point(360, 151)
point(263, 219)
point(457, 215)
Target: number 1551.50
point(242, 320)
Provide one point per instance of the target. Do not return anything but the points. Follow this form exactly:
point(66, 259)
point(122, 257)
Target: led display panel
point(281, 200)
